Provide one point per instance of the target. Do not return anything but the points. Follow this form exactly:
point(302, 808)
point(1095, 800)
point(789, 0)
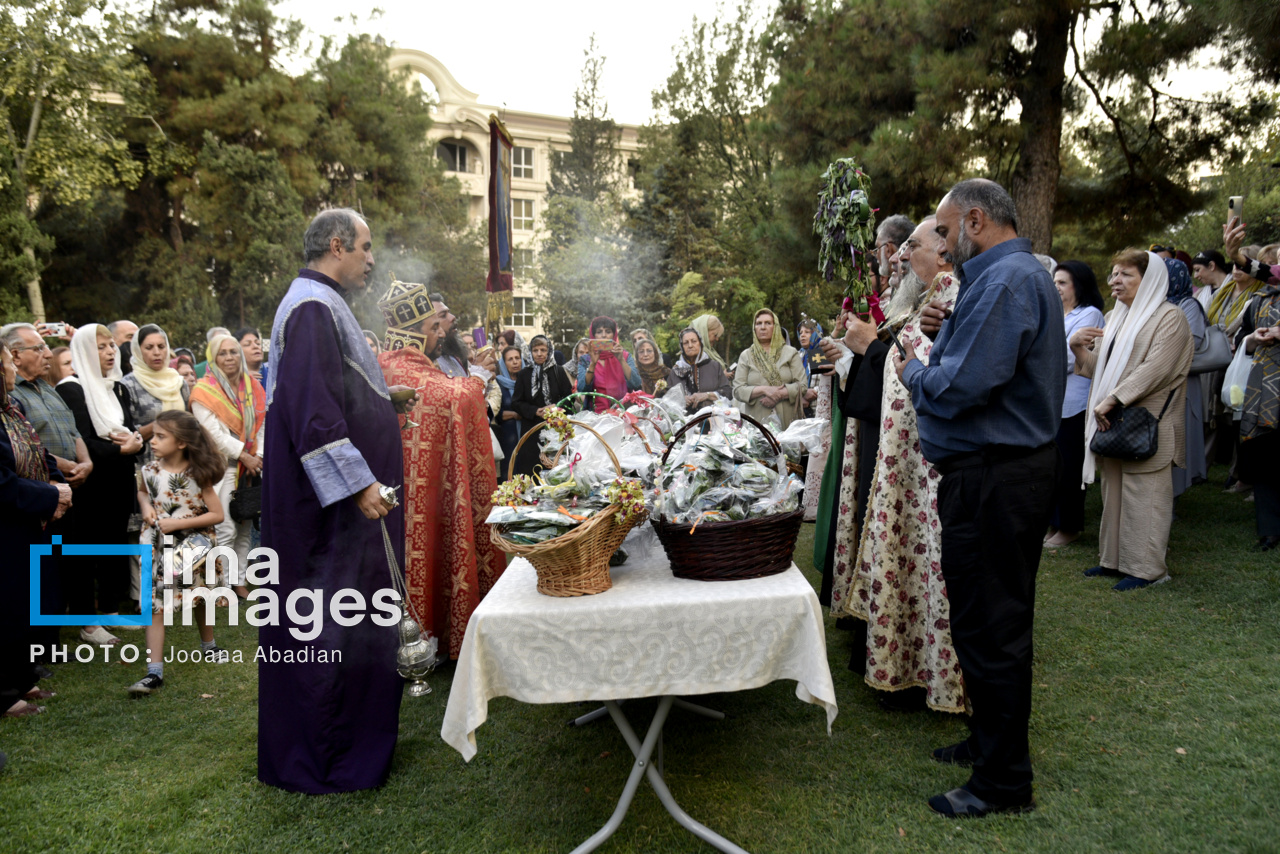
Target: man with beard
point(859, 359)
point(988, 407)
point(888, 577)
point(453, 357)
point(328, 722)
point(449, 475)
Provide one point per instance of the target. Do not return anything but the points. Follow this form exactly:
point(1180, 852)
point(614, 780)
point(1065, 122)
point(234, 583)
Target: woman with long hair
point(232, 406)
point(1081, 309)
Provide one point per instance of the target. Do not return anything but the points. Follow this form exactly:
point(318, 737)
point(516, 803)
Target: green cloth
point(201, 370)
point(829, 494)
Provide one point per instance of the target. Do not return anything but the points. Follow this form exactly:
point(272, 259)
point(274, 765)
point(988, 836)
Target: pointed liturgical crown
point(404, 306)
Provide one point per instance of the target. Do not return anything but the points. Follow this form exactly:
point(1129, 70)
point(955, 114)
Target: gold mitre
point(404, 306)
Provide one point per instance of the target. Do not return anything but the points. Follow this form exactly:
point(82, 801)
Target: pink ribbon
point(574, 462)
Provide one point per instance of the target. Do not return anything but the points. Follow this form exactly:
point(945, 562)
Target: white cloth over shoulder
point(651, 634)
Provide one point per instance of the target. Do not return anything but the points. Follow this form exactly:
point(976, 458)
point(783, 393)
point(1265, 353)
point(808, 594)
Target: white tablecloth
point(651, 634)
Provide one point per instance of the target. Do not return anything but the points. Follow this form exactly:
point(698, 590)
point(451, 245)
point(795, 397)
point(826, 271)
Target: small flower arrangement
point(660, 387)
point(511, 493)
point(557, 420)
point(628, 494)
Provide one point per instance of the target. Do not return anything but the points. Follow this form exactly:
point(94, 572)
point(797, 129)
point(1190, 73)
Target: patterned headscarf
point(541, 380)
point(1179, 281)
point(28, 453)
point(240, 405)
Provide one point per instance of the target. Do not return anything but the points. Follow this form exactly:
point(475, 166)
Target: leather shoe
point(955, 754)
point(25, 712)
point(1266, 544)
point(961, 803)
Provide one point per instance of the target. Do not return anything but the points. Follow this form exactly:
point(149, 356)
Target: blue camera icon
point(39, 550)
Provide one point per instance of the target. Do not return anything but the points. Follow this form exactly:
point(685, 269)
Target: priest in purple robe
point(329, 723)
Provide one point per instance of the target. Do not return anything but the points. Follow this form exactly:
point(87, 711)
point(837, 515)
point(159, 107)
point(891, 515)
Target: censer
point(415, 657)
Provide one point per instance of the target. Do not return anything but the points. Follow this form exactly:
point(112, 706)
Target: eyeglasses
point(32, 347)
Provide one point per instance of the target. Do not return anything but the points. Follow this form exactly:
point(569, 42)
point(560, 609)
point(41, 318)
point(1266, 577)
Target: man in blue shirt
point(988, 405)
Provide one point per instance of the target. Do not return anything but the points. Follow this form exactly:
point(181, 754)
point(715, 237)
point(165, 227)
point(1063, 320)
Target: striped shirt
point(50, 415)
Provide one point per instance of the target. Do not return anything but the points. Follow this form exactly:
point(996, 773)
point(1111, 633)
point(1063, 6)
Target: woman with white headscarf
point(232, 406)
point(102, 407)
point(1140, 360)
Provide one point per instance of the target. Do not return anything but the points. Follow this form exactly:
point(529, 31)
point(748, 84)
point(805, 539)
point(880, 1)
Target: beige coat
point(1158, 364)
point(748, 376)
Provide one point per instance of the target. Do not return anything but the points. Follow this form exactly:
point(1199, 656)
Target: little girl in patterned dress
point(178, 498)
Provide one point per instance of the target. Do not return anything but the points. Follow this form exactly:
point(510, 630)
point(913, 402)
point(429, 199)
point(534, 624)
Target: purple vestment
point(331, 430)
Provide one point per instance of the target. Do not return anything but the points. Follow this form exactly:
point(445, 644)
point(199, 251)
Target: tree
point(68, 85)
point(992, 88)
point(588, 263)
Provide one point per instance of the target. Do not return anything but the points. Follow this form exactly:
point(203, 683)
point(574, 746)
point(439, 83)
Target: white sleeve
point(223, 439)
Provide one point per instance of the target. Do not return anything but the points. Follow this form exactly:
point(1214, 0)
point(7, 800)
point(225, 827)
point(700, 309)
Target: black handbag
point(246, 499)
point(1134, 434)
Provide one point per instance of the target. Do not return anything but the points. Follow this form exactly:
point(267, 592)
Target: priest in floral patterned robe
point(893, 579)
point(449, 473)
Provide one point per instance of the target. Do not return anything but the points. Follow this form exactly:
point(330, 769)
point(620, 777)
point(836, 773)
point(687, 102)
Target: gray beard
point(965, 248)
point(906, 298)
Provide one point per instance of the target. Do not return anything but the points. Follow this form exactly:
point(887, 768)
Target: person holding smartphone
point(607, 367)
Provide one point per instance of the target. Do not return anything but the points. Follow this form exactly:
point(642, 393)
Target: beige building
point(461, 133)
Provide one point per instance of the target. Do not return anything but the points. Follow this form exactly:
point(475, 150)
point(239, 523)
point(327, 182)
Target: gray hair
point(896, 229)
point(208, 336)
point(115, 324)
point(988, 197)
point(9, 333)
point(335, 222)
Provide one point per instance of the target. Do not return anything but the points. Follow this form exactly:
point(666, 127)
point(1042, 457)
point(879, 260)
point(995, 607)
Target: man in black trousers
point(989, 403)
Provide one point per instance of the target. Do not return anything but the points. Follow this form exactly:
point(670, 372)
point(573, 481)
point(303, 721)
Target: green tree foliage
point(588, 263)
point(235, 155)
point(67, 87)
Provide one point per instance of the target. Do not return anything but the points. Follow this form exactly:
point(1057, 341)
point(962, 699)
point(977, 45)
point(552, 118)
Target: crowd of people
point(963, 430)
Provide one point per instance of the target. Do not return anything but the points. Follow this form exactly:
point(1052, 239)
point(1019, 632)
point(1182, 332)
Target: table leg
point(642, 753)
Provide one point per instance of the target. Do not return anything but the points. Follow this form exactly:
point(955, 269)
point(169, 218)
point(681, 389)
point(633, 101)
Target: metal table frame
point(645, 767)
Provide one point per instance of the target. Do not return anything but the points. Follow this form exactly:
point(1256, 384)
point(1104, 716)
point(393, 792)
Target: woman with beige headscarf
point(770, 377)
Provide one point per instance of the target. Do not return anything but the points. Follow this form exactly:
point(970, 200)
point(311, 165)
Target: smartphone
point(733, 367)
point(56, 330)
point(599, 345)
point(1235, 207)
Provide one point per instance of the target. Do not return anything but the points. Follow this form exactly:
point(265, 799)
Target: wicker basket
point(730, 551)
point(575, 563)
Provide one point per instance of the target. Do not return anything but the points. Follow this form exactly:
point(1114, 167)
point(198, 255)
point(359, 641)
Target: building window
point(522, 262)
point(453, 155)
point(522, 312)
point(522, 214)
point(522, 162)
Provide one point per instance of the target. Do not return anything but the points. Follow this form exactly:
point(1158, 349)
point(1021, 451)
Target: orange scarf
point(208, 392)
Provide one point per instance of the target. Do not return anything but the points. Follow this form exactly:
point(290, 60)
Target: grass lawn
point(1154, 729)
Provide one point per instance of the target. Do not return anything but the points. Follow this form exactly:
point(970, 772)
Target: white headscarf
point(99, 396)
point(1117, 345)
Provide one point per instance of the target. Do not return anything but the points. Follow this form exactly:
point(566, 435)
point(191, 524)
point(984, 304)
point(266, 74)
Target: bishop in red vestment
point(449, 474)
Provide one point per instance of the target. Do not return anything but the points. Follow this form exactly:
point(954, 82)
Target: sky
point(539, 62)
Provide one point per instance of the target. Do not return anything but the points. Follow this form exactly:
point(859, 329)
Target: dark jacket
point(710, 376)
point(526, 401)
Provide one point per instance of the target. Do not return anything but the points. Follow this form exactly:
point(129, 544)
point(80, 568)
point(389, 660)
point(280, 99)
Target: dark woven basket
point(730, 551)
